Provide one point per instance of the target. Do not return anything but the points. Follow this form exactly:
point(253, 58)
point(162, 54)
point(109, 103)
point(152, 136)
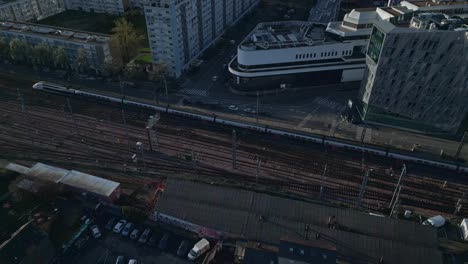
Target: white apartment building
point(30, 10)
point(180, 30)
point(96, 46)
point(116, 7)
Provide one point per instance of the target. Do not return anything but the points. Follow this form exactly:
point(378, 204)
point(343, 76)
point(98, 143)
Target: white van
point(200, 247)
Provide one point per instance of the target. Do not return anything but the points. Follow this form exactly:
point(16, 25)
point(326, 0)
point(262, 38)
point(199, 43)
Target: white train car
point(61, 89)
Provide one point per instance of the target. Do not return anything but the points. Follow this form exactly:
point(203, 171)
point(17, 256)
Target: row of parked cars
point(128, 229)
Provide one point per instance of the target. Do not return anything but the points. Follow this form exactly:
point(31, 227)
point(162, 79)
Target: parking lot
point(110, 245)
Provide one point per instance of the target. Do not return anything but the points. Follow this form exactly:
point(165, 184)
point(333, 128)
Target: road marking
point(304, 121)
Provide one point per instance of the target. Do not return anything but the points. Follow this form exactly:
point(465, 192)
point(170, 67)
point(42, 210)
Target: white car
point(127, 229)
point(133, 261)
point(95, 231)
point(233, 108)
point(119, 226)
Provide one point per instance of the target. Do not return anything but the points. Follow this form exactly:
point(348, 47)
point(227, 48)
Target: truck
point(464, 229)
point(200, 247)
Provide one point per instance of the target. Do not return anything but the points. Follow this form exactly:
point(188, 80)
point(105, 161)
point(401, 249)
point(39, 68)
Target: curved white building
point(297, 54)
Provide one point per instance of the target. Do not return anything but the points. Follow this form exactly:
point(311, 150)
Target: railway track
point(285, 167)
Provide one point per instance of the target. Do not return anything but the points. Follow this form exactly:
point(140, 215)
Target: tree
point(81, 59)
point(42, 54)
point(19, 50)
point(60, 58)
point(4, 48)
point(126, 39)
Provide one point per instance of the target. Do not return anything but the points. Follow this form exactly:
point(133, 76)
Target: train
point(327, 141)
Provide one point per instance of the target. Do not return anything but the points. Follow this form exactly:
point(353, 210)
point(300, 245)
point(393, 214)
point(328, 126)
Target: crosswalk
point(329, 103)
point(198, 92)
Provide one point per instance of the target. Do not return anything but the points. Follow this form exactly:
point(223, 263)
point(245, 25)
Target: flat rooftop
point(267, 218)
point(54, 32)
point(288, 34)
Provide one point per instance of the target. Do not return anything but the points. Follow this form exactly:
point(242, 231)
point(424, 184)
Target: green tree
point(81, 59)
point(126, 39)
point(60, 58)
point(19, 50)
point(4, 48)
point(42, 54)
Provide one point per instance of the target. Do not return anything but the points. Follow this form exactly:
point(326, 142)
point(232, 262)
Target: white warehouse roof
point(90, 183)
point(46, 172)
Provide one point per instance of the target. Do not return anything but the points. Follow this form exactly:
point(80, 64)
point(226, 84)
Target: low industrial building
point(97, 47)
point(220, 212)
point(75, 181)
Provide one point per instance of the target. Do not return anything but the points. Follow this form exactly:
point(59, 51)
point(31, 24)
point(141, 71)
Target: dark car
point(110, 224)
point(183, 248)
point(153, 240)
point(163, 242)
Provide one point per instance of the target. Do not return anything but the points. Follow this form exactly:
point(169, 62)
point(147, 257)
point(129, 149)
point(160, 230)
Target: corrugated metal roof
point(90, 183)
point(238, 211)
point(46, 172)
point(17, 168)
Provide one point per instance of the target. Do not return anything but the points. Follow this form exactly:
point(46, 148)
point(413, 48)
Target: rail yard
point(100, 137)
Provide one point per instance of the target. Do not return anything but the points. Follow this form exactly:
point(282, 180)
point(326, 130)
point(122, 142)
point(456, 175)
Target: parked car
point(163, 242)
point(133, 261)
point(145, 235)
point(200, 247)
point(135, 234)
point(249, 110)
point(233, 108)
point(119, 226)
point(127, 229)
point(183, 247)
point(153, 240)
point(110, 224)
point(435, 221)
point(120, 260)
point(95, 231)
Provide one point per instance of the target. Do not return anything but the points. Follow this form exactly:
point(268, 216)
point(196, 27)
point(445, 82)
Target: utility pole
point(71, 115)
point(234, 149)
point(257, 172)
point(362, 190)
point(323, 180)
point(460, 145)
point(140, 149)
point(395, 204)
point(165, 87)
point(21, 99)
point(151, 129)
point(258, 105)
point(397, 187)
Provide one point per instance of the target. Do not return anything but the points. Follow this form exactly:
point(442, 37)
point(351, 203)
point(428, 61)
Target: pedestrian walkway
point(329, 103)
point(198, 92)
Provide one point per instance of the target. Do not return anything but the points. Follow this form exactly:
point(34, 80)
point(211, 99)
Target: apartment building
point(116, 7)
point(417, 71)
point(30, 10)
point(180, 30)
point(96, 46)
